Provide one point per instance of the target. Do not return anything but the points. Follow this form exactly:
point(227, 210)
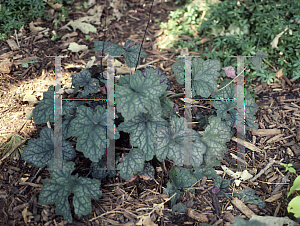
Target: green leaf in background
point(171, 189)
point(238, 221)
point(182, 178)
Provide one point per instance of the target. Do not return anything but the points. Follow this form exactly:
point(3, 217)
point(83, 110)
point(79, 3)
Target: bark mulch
point(122, 202)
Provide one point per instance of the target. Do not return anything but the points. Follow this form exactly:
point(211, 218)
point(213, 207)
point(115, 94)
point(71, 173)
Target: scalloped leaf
point(182, 178)
point(44, 111)
point(170, 143)
point(148, 172)
point(84, 78)
point(216, 134)
point(132, 50)
point(248, 195)
point(41, 150)
point(89, 125)
point(142, 128)
point(227, 109)
point(69, 107)
point(57, 190)
point(159, 73)
point(204, 75)
point(131, 164)
point(97, 172)
point(210, 173)
point(113, 49)
point(66, 124)
point(141, 96)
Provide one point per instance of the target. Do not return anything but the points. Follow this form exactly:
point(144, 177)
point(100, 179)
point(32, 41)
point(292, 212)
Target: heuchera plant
point(145, 112)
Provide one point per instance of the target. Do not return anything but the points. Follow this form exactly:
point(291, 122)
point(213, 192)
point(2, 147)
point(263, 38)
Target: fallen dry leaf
point(74, 47)
point(279, 73)
point(5, 66)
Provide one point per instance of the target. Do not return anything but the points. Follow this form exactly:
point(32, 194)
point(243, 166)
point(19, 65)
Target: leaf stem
point(175, 95)
point(233, 79)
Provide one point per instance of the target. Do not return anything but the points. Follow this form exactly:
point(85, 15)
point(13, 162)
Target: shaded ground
point(122, 202)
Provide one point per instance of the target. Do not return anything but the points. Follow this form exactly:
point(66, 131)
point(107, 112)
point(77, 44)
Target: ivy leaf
point(204, 75)
point(170, 143)
point(248, 195)
point(132, 50)
point(43, 112)
point(84, 78)
point(171, 189)
point(131, 164)
point(57, 190)
point(216, 134)
point(210, 173)
point(41, 150)
point(141, 96)
point(221, 183)
point(142, 128)
point(179, 208)
point(90, 127)
point(111, 48)
point(182, 178)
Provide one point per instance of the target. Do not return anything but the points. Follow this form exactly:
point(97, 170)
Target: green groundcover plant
point(241, 28)
point(15, 13)
point(294, 206)
point(145, 111)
